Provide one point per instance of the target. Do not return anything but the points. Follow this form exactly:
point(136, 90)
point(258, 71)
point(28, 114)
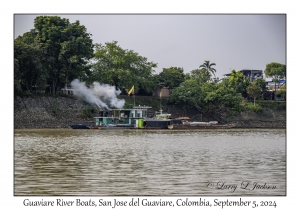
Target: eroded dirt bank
point(60, 112)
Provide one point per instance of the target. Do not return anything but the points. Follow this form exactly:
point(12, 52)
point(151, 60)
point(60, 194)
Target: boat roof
point(134, 108)
point(142, 107)
point(183, 118)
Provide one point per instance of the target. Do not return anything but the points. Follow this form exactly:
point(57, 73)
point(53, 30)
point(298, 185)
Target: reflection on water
point(150, 162)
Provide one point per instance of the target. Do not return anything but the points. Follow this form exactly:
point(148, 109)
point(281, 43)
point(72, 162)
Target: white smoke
point(98, 93)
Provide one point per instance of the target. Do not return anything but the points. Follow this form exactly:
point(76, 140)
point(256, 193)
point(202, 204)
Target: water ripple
point(141, 162)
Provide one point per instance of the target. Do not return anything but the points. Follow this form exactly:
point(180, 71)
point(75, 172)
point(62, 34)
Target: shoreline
point(60, 112)
point(19, 129)
point(238, 124)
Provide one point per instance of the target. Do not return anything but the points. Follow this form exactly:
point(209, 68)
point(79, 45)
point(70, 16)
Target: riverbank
point(61, 111)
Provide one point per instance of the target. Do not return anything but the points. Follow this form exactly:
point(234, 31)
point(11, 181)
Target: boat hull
point(80, 126)
point(157, 124)
point(118, 126)
point(199, 127)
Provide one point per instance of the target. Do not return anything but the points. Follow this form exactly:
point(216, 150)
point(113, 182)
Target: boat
point(137, 118)
point(193, 127)
point(160, 121)
point(183, 123)
point(80, 126)
point(122, 118)
point(154, 123)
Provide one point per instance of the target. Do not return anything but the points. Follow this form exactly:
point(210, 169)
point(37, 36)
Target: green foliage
point(171, 77)
point(225, 96)
point(268, 104)
point(200, 75)
point(261, 83)
point(122, 68)
point(26, 93)
point(281, 106)
point(276, 71)
point(208, 96)
point(54, 53)
point(28, 68)
point(55, 108)
point(252, 107)
point(88, 112)
point(146, 101)
point(254, 90)
point(208, 67)
point(238, 82)
point(187, 76)
point(188, 91)
point(282, 92)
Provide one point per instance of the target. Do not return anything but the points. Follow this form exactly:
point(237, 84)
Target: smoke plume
point(100, 94)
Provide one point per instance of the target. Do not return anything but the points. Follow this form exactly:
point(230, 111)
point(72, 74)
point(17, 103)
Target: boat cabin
point(121, 117)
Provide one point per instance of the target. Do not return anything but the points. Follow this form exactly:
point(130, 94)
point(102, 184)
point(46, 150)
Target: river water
point(149, 162)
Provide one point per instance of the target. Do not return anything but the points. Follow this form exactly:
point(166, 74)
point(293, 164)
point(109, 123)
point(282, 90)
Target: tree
point(262, 84)
point(208, 67)
point(66, 46)
point(223, 97)
point(17, 76)
point(282, 92)
point(189, 92)
point(28, 69)
point(200, 75)
point(238, 82)
point(187, 76)
point(208, 97)
point(122, 68)
point(254, 90)
point(171, 77)
point(276, 70)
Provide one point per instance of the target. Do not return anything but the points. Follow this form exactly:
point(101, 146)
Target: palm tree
point(208, 67)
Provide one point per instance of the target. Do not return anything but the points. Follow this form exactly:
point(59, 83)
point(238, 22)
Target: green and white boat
point(122, 118)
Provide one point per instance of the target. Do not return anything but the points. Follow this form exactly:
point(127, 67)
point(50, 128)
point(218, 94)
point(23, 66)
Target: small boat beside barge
point(183, 123)
point(199, 127)
point(80, 126)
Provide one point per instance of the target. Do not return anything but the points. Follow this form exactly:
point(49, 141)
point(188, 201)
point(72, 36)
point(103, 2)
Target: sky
point(231, 41)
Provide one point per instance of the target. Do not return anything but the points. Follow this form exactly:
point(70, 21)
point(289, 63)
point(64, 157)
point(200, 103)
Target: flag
point(131, 90)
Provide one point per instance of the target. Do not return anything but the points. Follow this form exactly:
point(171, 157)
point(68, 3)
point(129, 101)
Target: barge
point(122, 118)
point(137, 117)
point(160, 121)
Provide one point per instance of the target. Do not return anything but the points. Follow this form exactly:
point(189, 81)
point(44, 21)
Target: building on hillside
point(251, 74)
point(67, 90)
point(272, 86)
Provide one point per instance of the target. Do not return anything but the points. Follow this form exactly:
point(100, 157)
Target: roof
point(252, 71)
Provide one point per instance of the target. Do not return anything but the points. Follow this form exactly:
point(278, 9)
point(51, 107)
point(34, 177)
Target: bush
point(281, 106)
point(270, 104)
point(26, 93)
point(252, 107)
point(88, 112)
point(55, 108)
